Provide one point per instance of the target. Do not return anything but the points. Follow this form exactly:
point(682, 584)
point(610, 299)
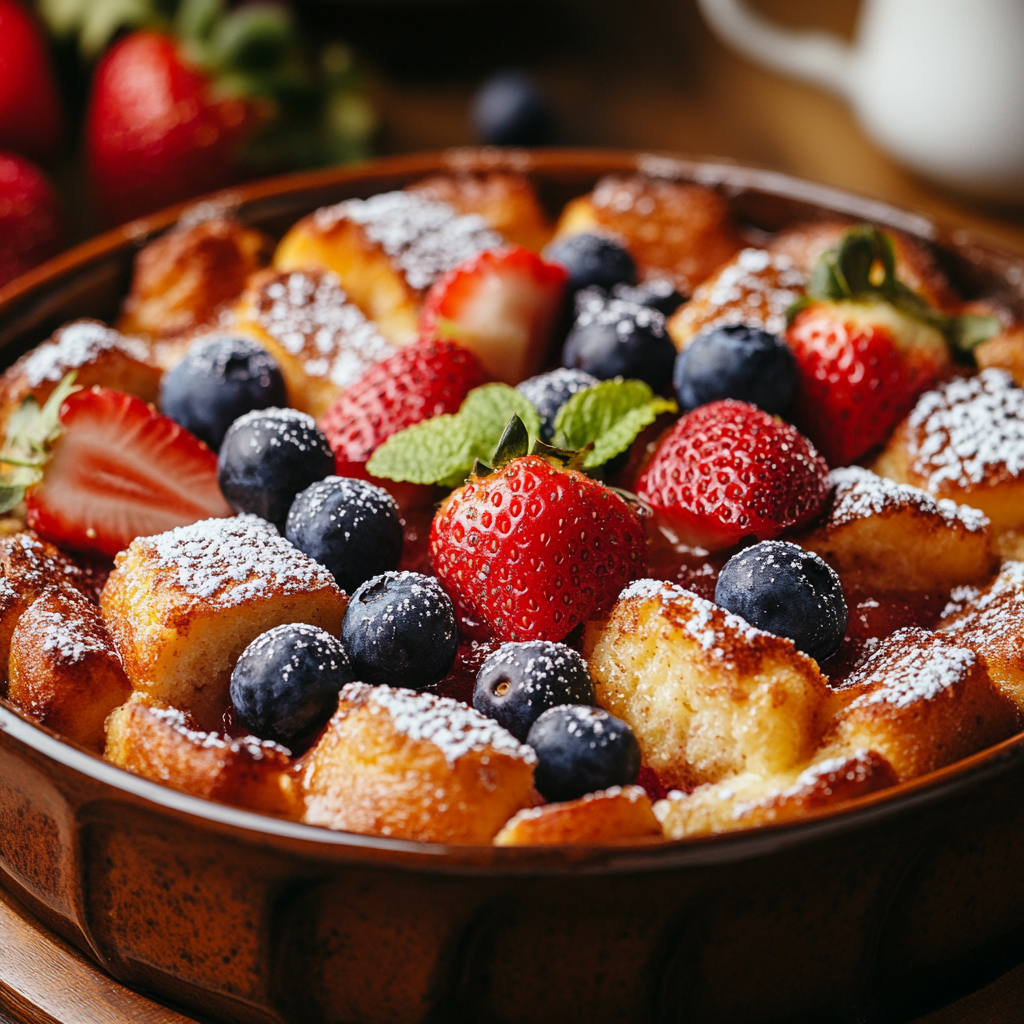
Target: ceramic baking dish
point(869, 912)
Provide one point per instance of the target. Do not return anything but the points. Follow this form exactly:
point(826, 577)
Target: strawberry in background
point(30, 229)
point(31, 117)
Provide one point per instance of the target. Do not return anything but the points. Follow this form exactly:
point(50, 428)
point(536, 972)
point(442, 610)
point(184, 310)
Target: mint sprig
point(608, 416)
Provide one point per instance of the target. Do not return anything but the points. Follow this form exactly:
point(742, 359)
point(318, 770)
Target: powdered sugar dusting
point(68, 640)
point(73, 346)
point(310, 317)
point(256, 748)
point(424, 237)
point(454, 728)
point(227, 562)
point(994, 615)
point(968, 432)
point(859, 493)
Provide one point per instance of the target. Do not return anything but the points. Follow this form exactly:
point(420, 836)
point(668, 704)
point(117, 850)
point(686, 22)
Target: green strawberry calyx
point(863, 267)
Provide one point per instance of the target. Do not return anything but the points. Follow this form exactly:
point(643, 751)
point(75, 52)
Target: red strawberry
point(29, 219)
point(119, 471)
point(862, 366)
point(534, 549)
point(158, 131)
point(419, 381)
point(727, 471)
point(503, 305)
point(31, 119)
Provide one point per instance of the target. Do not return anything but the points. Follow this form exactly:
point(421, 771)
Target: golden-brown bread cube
point(507, 202)
point(673, 230)
point(64, 670)
point(386, 251)
point(965, 441)
point(921, 701)
point(149, 738)
point(98, 355)
point(883, 536)
point(621, 814)
point(183, 605)
point(755, 287)
point(747, 800)
point(320, 339)
point(185, 278)
point(1005, 351)
point(804, 242)
point(990, 621)
point(414, 766)
point(706, 694)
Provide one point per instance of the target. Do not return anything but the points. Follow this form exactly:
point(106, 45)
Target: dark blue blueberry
point(220, 379)
point(548, 392)
point(739, 362)
point(580, 750)
point(285, 685)
point(510, 109)
point(592, 260)
point(659, 294)
point(267, 457)
point(400, 629)
point(621, 339)
point(785, 590)
point(520, 681)
point(348, 525)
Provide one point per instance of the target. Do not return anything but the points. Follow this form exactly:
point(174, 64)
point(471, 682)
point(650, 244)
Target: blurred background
point(152, 101)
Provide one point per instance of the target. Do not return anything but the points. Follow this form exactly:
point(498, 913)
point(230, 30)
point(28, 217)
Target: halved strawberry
point(119, 471)
point(501, 304)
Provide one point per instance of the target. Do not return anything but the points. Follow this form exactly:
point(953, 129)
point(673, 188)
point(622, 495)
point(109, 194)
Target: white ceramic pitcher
point(937, 83)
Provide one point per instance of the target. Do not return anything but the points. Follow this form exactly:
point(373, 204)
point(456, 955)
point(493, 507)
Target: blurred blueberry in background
point(510, 109)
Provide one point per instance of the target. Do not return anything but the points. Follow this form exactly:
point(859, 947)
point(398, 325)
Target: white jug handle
point(818, 57)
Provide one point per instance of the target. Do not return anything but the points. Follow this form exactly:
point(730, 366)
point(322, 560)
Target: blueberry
point(592, 260)
point(400, 629)
point(785, 590)
point(621, 339)
point(348, 525)
point(739, 362)
point(510, 109)
point(267, 457)
point(659, 294)
point(220, 379)
point(285, 685)
point(550, 391)
point(580, 750)
point(520, 681)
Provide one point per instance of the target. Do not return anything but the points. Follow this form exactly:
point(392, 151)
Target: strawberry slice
point(119, 471)
point(501, 304)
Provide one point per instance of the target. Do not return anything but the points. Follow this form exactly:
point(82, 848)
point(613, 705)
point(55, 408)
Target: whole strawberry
point(728, 471)
point(534, 549)
point(31, 118)
point(30, 229)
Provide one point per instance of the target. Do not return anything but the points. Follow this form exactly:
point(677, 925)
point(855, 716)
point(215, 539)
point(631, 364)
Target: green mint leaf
point(609, 416)
point(10, 496)
point(488, 409)
point(967, 331)
point(430, 452)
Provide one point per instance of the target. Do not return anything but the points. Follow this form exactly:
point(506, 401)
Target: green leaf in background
point(609, 415)
point(488, 409)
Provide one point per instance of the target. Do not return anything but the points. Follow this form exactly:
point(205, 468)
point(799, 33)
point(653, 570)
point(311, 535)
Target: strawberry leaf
point(514, 443)
point(608, 416)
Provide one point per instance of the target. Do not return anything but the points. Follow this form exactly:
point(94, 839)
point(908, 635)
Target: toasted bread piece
point(883, 536)
point(183, 605)
point(921, 701)
point(414, 766)
point(747, 800)
point(804, 242)
point(965, 441)
point(321, 341)
point(149, 738)
point(1005, 352)
point(706, 694)
point(755, 287)
point(64, 670)
point(621, 814)
point(507, 202)
point(673, 230)
point(386, 251)
point(990, 621)
point(184, 279)
point(98, 355)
